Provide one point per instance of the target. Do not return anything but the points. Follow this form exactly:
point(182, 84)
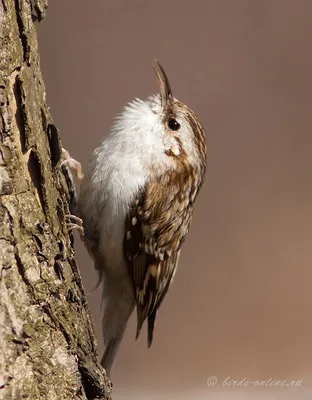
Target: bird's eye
point(173, 124)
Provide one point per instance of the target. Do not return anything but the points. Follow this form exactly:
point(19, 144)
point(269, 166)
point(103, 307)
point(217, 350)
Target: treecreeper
point(136, 203)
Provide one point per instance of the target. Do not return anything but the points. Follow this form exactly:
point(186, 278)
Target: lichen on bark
point(47, 342)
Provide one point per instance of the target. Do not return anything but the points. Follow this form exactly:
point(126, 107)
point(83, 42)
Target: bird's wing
point(155, 229)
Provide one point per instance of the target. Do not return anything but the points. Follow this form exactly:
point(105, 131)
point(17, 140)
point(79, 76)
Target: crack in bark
point(40, 7)
point(91, 384)
point(35, 173)
point(54, 140)
point(20, 114)
point(21, 269)
point(5, 8)
point(22, 34)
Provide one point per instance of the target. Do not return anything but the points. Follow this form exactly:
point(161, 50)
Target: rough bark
point(47, 341)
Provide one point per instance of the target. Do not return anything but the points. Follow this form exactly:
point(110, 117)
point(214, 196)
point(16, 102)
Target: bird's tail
point(150, 327)
point(110, 352)
point(118, 306)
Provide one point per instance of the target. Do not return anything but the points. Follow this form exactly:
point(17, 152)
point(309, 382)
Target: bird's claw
point(78, 224)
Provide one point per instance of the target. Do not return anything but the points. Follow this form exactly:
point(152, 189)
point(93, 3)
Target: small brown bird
point(136, 203)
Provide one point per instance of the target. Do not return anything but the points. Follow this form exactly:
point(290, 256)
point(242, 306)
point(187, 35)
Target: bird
point(136, 203)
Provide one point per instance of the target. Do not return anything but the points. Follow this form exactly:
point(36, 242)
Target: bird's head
point(165, 125)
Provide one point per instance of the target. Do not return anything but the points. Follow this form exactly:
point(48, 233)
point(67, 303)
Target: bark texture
point(47, 341)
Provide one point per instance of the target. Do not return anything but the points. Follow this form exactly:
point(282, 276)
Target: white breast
point(119, 168)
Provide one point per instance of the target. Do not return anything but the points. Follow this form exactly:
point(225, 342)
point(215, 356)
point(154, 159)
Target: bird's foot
point(73, 165)
point(77, 224)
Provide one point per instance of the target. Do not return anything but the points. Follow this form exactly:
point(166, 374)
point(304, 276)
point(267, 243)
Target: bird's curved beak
point(164, 85)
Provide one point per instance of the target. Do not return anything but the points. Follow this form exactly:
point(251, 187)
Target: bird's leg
point(78, 224)
point(73, 165)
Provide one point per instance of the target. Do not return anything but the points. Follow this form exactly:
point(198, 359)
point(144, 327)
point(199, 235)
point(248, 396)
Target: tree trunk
point(47, 341)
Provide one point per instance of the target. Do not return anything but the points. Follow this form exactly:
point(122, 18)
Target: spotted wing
point(155, 229)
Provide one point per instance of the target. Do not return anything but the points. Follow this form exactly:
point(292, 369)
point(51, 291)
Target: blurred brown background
point(241, 303)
